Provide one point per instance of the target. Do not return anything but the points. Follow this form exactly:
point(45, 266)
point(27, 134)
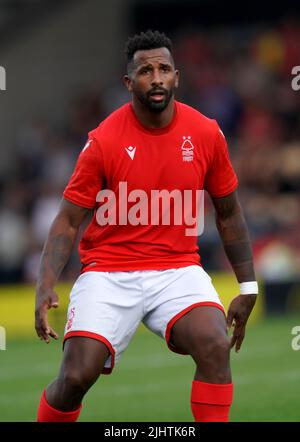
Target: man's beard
point(153, 106)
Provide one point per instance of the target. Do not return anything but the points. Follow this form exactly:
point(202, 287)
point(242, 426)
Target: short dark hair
point(146, 40)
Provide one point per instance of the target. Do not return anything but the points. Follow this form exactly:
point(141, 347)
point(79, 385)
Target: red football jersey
point(133, 162)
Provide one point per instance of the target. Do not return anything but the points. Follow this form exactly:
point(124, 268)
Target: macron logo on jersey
point(131, 151)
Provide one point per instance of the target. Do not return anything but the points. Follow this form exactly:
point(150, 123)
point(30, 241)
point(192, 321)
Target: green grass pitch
point(152, 384)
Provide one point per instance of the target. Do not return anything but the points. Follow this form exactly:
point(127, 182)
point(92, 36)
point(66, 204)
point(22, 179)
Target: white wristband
point(249, 288)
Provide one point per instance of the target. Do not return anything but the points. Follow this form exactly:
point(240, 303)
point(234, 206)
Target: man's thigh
point(106, 307)
point(198, 329)
point(85, 357)
point(183, 291)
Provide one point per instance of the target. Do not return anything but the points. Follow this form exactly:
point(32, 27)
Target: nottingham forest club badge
point(187, 149)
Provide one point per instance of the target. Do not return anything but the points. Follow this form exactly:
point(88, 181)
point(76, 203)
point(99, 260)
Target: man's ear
point(128, 83)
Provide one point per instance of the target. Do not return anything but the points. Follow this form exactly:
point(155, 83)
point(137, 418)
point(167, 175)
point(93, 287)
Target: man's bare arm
point(233, 231)
point(56, 252)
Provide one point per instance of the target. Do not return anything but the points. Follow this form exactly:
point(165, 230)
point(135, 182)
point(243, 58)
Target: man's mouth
point(157, 95)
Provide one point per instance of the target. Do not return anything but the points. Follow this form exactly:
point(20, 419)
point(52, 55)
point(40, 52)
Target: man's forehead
point(161, 55)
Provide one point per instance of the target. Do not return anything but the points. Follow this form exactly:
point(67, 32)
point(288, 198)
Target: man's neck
point(153, 120)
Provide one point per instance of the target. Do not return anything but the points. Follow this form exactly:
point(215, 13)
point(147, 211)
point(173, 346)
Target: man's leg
point(83, 361)
point(202, 334)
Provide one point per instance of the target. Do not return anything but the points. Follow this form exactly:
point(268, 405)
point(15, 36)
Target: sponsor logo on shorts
point(71, 318)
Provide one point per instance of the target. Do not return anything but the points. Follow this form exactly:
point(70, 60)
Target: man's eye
point(166, 68)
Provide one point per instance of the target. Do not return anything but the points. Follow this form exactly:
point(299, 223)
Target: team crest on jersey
point(187, 149)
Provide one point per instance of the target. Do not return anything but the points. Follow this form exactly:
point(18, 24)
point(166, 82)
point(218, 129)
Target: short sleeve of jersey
point(220, 179)
point(87, 178)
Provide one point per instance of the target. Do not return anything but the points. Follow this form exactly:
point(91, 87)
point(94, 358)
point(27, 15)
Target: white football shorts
point(109, 306)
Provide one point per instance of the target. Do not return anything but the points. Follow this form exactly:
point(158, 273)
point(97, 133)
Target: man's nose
point(156, 78)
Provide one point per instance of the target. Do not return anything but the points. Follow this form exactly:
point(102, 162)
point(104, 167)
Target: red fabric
point(211, 402)
point(86, 334)
point(46, 413)
point(189, 154)
point(182, 313)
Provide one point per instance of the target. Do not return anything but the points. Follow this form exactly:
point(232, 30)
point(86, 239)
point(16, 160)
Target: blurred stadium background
point(64, 62)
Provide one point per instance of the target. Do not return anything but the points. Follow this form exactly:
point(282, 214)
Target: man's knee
point(76, 380)
point(82, 365)
point(83, 362)
point(209, 345)
point(215, 347)
point(211, 355)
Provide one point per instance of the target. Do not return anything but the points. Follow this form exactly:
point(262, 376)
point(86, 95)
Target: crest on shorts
point(187, 149)
point(71, 318)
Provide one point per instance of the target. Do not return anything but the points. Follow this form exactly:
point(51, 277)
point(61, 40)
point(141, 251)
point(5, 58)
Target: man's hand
point(239, 312)
point(44, 301)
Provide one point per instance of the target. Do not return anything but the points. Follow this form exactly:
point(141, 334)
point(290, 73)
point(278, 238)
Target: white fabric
point(112, 304)
point(249, 288)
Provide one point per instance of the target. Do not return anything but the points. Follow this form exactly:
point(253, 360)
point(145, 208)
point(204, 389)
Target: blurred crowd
point(242, 78)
